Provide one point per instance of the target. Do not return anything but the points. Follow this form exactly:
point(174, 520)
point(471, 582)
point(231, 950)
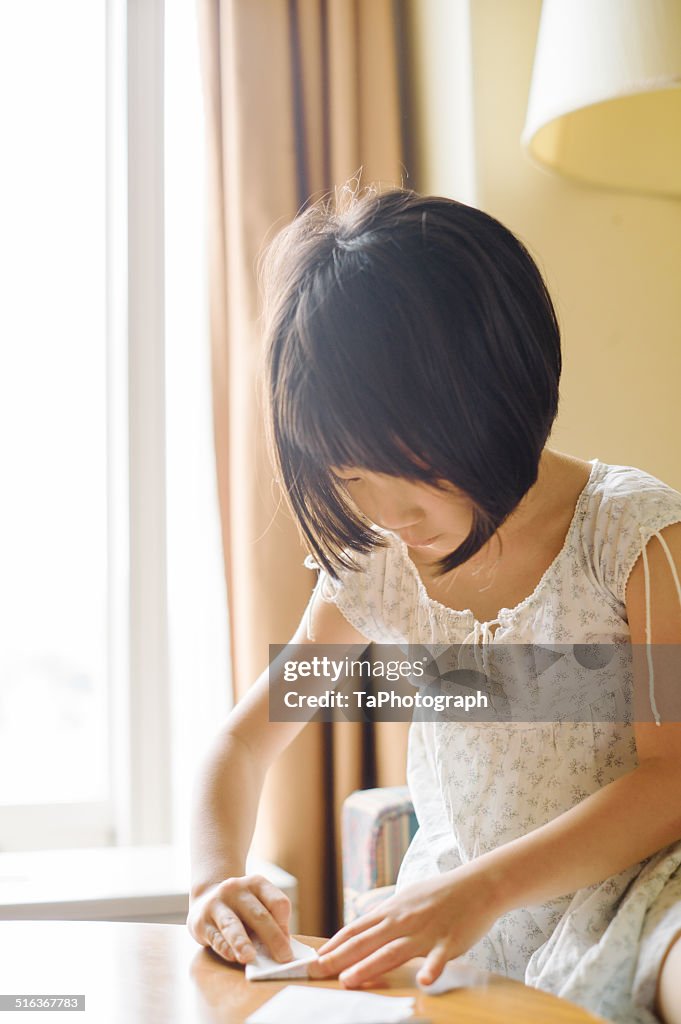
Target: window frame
point(140, 719)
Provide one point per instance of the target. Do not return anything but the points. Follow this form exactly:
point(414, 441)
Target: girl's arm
point(637, 814)
point(225, 801)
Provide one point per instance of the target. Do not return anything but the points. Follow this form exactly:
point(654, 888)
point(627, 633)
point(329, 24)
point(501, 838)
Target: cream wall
point(612, 261)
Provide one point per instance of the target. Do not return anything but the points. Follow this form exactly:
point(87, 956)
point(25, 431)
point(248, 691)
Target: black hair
point(411, 335)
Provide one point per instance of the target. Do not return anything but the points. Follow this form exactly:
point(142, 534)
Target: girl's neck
point(541, 497)
point(547, 506)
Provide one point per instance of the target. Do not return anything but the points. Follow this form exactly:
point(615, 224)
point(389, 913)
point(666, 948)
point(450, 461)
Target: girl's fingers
point(259, 920)
point(275, 900)
point(434, 965)
point(394, 954)
point(361, 924)
point(349, 952)
point(218, 943)
point(234, 934)
point(215, 940)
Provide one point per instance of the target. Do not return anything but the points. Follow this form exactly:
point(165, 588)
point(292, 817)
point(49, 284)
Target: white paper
point(455, 975)
point(264, 968)
point(310, 1005)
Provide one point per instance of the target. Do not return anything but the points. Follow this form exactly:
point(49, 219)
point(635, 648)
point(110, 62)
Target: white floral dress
point(478, 785)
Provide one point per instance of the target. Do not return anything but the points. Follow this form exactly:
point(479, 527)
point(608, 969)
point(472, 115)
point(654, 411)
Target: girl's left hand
point(439, 918)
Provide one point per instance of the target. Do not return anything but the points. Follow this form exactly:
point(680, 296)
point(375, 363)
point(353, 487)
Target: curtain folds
point(300, 96)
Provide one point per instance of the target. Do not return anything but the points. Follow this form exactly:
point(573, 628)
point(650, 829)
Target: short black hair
point(411, 335)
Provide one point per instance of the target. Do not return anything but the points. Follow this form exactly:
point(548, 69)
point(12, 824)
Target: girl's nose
point(390, 510)
point(398, 523)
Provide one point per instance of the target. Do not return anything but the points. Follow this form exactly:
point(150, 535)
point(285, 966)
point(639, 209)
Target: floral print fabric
point(478, 785)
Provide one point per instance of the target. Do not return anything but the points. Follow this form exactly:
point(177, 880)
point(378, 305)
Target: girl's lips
point(425, 543)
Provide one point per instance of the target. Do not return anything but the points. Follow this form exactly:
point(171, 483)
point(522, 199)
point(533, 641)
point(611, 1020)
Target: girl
point(413, 366)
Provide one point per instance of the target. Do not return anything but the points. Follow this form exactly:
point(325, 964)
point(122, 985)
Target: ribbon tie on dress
point(481, 633)
point(646, 574)
point(480, 637)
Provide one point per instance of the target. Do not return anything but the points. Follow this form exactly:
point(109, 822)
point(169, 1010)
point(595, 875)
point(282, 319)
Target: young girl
point(413, 366)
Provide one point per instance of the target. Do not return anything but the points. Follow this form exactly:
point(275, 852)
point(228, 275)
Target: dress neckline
point(503, 614)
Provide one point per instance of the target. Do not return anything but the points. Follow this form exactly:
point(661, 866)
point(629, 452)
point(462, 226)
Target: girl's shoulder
point(626, 506)
point(365, 594)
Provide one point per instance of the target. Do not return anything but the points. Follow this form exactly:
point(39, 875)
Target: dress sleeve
point(646, 516)
point(637, 507)
point(358, 594)
point(631, 519)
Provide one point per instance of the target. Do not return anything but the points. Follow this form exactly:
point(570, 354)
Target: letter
point(290, 674)
point(293, 703)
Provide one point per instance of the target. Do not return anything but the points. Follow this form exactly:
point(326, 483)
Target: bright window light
point(53, 527)
point(197, 606)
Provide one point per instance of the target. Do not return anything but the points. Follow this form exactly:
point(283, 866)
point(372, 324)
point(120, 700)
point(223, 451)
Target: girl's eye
point(345, 479)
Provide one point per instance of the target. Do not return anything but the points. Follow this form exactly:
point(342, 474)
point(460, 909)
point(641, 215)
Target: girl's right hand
point(227, 914)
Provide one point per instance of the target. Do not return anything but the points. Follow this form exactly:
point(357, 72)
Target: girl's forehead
point(363, 471)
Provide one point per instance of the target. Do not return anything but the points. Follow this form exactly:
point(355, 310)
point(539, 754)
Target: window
point(113, 668)
point(53, 550)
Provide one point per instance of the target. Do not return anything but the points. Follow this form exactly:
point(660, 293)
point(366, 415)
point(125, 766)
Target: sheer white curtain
point(198, 629)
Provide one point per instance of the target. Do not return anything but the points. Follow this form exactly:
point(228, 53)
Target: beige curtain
point(300, 95)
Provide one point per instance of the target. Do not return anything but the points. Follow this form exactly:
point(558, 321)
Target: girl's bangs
point(328, 429)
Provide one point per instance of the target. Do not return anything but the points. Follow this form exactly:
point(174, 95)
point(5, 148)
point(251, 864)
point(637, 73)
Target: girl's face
point(426, 519)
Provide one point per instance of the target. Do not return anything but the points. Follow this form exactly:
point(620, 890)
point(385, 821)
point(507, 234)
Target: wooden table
point(153, 973)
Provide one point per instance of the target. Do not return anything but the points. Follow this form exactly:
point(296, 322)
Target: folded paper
point(455, 975)
point(264, 968)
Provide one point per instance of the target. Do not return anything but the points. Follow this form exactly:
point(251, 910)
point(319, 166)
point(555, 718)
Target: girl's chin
point(432, 552)
point(441, 544)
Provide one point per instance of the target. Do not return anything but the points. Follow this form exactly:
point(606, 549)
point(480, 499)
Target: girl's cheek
point(362, 506)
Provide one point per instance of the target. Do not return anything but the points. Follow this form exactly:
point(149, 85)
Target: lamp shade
point(605, 98)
